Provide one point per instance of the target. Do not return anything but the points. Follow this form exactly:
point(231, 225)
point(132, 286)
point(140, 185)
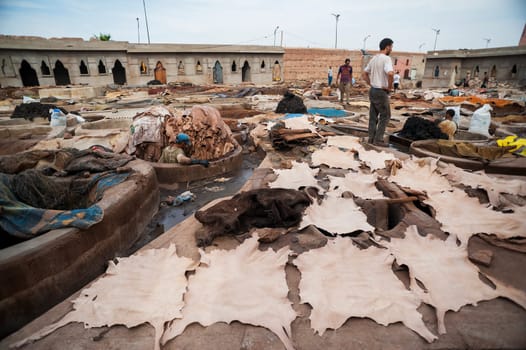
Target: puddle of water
point(205, 191)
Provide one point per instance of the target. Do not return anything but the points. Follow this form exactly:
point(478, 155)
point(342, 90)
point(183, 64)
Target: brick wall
point(312, 64)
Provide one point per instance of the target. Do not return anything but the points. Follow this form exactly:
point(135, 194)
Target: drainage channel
point(205, 191)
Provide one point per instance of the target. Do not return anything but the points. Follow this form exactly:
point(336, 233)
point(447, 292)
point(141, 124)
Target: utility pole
point(275, 30)
point(437, 31)
point(420, 46)
point(337, 18)
point(138, 32)
point(487, 41)
point(365, 39)
point(146, 19)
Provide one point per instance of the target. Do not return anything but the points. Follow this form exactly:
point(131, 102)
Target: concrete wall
point(71, 51)
point(312, 64)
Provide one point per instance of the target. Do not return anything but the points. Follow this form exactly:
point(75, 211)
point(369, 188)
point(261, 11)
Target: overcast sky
point(305, 23)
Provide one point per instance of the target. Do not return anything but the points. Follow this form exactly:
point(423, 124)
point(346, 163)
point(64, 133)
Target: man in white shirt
point(396, 81)
point(379, 75)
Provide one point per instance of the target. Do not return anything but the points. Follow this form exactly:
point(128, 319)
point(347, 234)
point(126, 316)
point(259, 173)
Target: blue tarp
point(25, 221)
point(328, 112)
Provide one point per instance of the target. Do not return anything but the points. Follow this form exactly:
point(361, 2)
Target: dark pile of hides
point(46, 190)
point(34, 110)
point(416, 128)
point(67, 160)
point(291, 104)
point(51, 192)
point(276, 207)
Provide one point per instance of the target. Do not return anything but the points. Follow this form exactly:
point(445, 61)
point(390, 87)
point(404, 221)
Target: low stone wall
point(41, 272)
point(168, 174)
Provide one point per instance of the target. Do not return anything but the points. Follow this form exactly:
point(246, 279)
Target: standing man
point(379, 75)
point(329, 75)
point(396, 81)
point(344, 78)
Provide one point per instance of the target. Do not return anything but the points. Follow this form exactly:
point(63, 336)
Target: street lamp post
point(420, 46)
point(146, 19)
point(437, 31)
point(275, 30)
point(337, 18)
point(365, 40)
point(138, 32)
point(487, 41)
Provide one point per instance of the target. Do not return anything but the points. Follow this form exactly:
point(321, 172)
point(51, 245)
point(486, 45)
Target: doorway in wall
point(44, 69)
point(160, 72)
point(28, 74)
point(119, 73)
point(61, 74)
point(276, 71)
point(245, 72)
point(218, 73)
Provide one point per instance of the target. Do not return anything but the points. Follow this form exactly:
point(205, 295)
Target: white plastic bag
point(481, 120)
point(57, 118)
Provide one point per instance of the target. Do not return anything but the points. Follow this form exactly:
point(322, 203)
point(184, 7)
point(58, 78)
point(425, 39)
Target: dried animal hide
point(244, 284)
point(143, 288)
point(373, 159)
point(493, 186)
point(341, 281)
point(263, 207)
point(299, 123)
point(336, 215)
point(421, 175)
point(300, 175)
point(441, 266)
point(335, 158)
point(148, 126)
point(361, 185)
point(348, 142)
point(464, 216)
point(210, 136)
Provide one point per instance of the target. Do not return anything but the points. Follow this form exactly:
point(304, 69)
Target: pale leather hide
point(464, 216)
point(420, 175)
point(450, 279)
point(336, 215)
point(143, 288)
point(373, 159)
point(244, 284)
point(299, 175)
point(359, 184)
point(335, 158)
point(493, 186)
point(348, 142)
point(341, 281)
point(299, 123)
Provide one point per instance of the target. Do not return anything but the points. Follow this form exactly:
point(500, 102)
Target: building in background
point(446, 68)
point(35, 61)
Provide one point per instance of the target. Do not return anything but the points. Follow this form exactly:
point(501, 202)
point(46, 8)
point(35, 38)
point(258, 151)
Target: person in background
point(174, 152)
point(329, 76)
point(396, 81)
point(485, 81)
point(448, 126)
point(379, 75)
point(344, 79)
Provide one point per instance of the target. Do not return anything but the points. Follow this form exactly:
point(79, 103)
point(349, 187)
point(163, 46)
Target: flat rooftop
point(33, 43)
